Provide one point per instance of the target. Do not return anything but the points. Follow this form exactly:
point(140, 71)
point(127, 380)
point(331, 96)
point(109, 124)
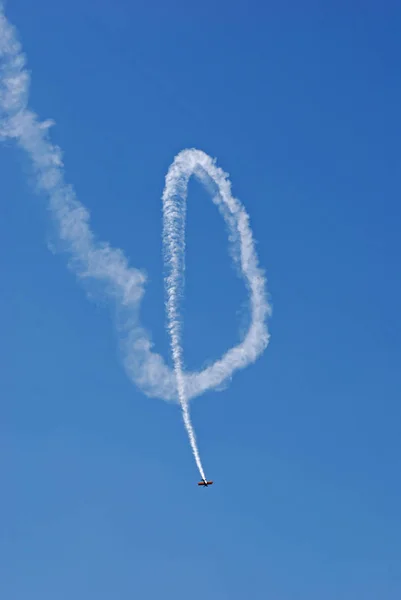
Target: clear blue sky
point(301, 105)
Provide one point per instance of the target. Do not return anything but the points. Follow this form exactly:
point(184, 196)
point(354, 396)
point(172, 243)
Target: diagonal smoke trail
point(97, 261)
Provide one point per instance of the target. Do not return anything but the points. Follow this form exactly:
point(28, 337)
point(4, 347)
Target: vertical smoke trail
point(174, 213)
point(195, 162)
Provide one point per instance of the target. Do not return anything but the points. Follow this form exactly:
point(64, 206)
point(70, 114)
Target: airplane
point(205, 483)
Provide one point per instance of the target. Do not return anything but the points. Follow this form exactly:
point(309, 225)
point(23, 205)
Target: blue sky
point(301, 107)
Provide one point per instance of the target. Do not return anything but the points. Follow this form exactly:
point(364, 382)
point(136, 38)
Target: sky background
point(99, 497)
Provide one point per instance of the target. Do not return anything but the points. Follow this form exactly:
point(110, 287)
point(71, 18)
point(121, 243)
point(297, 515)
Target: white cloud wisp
point(109, 267)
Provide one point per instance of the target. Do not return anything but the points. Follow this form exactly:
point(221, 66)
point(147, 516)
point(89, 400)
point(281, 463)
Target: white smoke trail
point(97, 261)
point(174, 256)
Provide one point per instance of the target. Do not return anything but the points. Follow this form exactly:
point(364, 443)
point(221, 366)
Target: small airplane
point(205, 483)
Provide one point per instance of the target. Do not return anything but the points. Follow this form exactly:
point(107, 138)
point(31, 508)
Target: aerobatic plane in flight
point(205, 483)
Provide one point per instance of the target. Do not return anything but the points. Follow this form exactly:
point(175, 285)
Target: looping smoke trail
point(186, 164)
point(97, 261)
